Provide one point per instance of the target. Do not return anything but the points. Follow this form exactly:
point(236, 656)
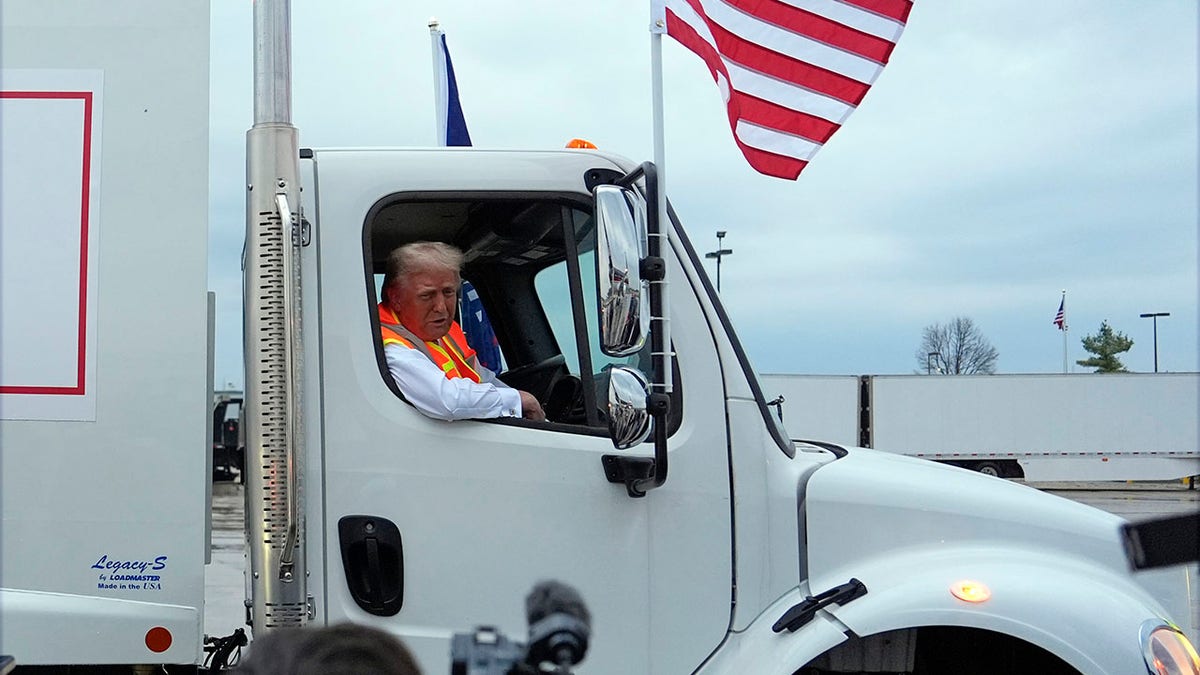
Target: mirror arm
point(654, 269)
point(644, 169)
point(659, 405)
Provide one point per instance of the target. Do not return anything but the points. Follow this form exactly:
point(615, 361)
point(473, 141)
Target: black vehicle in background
point(227, 446)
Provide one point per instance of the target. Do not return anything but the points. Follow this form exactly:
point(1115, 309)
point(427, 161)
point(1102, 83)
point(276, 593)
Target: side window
point(532, 262)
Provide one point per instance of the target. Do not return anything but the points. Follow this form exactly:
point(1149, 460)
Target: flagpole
point(1064, 330)
point(439, 82)
point(658, 27)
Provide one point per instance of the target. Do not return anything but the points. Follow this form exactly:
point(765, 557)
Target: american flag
point(791, 71)
point(1060, 319)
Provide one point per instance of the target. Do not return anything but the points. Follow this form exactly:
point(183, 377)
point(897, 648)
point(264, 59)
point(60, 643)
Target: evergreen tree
point(1106, 344)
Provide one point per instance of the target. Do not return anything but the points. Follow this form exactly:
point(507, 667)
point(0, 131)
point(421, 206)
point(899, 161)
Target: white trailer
point(754, 555)
point(1048, 427)
point(1040, 427)
point(818, 406)
point(104, 331)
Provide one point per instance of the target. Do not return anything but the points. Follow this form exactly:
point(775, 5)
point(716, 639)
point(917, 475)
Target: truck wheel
point(989, 469)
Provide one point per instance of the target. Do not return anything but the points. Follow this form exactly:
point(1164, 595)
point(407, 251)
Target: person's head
point(421, 286)
point(344, 649)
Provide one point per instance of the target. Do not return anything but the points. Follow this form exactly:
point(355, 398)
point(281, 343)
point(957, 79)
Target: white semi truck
point(753, 555)
point(1080, 427)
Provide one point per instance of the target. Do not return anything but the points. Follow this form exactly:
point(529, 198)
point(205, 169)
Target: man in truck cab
point(426, 350)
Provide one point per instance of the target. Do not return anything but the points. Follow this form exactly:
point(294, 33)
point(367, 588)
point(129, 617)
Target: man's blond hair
point(419, 255)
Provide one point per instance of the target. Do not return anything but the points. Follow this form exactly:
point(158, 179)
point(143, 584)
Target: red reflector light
point(158, 639)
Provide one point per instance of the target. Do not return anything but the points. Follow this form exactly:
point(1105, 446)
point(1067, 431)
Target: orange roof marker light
point(971, 591)
point(581, 144)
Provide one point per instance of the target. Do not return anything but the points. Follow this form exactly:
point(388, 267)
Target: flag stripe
point(764, 138)
point(853, 17)
point(772, 164)
point(766, 113)
point(896, 10)
point(817, 27)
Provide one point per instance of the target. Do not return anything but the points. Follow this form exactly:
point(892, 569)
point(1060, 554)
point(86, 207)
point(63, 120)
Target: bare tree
point(956, 348)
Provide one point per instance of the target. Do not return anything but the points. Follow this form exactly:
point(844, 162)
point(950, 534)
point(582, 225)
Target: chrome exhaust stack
point(272, 339)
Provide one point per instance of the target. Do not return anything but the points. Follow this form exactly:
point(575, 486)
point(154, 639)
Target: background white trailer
point(1044, 427)
point(817, 407)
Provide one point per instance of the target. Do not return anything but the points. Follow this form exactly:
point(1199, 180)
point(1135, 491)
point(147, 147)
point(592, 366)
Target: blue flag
point(452, 125)
point(474, 322)
point(452, 131)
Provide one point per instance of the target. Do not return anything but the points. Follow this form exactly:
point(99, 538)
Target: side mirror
point(620, 247)
point(631, 268)
point(628, 416)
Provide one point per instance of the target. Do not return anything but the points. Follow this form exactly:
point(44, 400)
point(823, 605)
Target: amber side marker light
point(158, 639)
point(970, 591)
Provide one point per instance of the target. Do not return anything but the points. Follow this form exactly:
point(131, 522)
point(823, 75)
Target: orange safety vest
point(451, 353)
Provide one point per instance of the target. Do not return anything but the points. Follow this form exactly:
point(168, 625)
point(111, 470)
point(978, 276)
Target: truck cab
point(485, 509)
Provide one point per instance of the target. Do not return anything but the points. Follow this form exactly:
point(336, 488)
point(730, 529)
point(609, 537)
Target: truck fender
point(1087, 615)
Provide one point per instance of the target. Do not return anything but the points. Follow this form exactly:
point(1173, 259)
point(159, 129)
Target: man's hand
point(531, 409)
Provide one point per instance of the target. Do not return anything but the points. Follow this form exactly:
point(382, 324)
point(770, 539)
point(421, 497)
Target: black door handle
point(373, 561)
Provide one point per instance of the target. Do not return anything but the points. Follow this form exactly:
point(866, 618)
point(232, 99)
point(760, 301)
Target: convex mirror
point(624, 296)
point(628, 416)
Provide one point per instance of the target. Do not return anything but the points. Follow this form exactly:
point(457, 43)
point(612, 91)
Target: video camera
point(559, 628)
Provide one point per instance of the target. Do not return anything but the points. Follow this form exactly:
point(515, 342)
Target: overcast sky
point(1009, 151)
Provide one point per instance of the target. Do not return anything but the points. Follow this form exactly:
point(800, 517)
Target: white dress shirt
point(427, 388)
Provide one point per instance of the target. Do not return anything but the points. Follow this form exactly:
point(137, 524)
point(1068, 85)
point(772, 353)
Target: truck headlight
point(1167, 650)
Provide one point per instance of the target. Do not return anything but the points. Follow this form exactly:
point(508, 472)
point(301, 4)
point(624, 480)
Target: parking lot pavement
point(224, 584)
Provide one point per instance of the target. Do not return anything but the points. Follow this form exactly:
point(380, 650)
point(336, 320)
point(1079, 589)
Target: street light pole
point(1153, 316)
point(718, 254)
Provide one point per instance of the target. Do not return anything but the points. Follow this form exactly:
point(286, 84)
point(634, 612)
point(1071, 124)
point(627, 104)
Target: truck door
point(482, 510)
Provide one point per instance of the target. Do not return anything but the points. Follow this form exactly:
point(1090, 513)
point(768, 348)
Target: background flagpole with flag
point(1060, 320)
point(452, 131)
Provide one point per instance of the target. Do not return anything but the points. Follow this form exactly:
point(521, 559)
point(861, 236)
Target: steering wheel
point(559, 391)
point(536, 378)
point(566, 403)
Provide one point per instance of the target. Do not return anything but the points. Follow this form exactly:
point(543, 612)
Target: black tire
point(990, 469)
